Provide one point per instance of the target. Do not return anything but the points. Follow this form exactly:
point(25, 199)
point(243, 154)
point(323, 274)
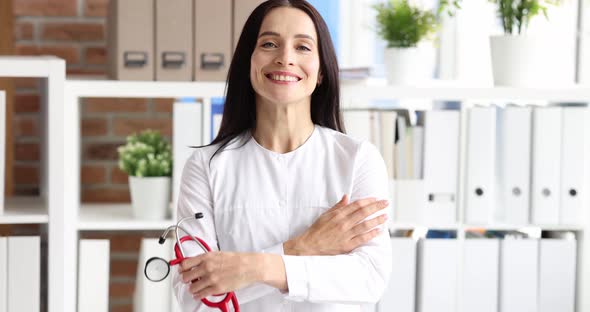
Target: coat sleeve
point(362, 275)
point(195, 196)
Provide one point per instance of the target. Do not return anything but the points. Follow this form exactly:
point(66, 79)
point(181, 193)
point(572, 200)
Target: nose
point(285, 57)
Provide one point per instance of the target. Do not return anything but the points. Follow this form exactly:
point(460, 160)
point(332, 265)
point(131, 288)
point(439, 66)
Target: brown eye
point(269, 45)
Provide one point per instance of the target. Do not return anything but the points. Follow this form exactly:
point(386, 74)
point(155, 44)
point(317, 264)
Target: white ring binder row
point(532, 148)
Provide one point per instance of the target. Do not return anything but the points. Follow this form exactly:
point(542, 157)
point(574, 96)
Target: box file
point(131, 39)
point(481, 258)
point(513, 165)
point(518, 275)
point(481, 159)
point(557, 275)
point(152, 296)
point(3, 274)
point(574, 193)
point(409, 201)
point(174, 47)
point(441, 165)
point(93, 275)
point(400, 292)
point(437, 275)
point(241, 11)
point(24, 273)
point(213, 39)
point(546, 165)
point(187, 131)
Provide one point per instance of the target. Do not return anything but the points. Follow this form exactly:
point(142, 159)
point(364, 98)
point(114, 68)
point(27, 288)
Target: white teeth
point(283, 78)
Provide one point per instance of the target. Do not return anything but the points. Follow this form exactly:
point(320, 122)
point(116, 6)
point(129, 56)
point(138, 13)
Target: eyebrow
point(272, 33)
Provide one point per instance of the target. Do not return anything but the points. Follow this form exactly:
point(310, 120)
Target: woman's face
point(285, 63)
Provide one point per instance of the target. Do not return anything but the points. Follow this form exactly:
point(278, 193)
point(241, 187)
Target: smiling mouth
point(282, 78)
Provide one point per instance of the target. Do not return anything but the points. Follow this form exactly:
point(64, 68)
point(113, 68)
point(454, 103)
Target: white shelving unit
point(67, 217)
point(117, 217)
point(54, 206)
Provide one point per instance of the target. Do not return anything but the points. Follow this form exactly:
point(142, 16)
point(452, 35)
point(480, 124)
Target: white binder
point(481, 159)
point(152, 296)
point(24, 274)
point(481, 259)
point(518, 275)
point(3, 274)
point(358, 124)
point(574, 193)
point(557, 275)
point(93, 275)
point(437, 275)
point(513, 165)
point(187, 131)
point(441, 158)
point(400, 292)
point(387, 124)
point(546, 165)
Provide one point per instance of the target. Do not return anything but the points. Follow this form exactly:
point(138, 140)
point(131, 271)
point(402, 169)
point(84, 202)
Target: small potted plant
point(516, 60)
point(403, 26)
point(147, 159)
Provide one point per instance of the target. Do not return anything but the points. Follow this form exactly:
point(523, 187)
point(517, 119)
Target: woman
point(270, 185)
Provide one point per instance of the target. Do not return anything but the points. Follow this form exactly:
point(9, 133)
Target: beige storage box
point(174, 45)
point(131, 39)
point(212, 37)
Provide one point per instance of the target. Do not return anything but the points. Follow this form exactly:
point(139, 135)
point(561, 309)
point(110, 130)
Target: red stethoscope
point(157, 269)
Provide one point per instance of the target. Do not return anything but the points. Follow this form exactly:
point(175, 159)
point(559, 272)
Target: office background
point(75, 30)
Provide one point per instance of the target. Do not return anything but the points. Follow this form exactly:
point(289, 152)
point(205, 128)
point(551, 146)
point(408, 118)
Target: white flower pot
point(407, 66)
point(150, 197)
point(517, 61)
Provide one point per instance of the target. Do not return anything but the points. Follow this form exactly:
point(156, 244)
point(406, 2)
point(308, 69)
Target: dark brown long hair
point(239, 112)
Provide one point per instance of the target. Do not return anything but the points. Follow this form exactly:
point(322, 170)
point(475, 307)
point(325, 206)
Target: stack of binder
point(526, 165)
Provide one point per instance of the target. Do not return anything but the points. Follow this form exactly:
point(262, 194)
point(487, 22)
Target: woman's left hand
point(219, 272)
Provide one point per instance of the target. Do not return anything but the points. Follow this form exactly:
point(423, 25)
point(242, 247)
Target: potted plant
point(516, 60)
point(403, 26)
point(147, 159)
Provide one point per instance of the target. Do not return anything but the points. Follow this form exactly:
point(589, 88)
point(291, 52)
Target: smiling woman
point(281, 184)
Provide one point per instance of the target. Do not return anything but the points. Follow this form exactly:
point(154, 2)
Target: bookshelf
point(103, 217)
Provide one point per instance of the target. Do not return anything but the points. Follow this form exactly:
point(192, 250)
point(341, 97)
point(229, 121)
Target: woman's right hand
point(340, 229)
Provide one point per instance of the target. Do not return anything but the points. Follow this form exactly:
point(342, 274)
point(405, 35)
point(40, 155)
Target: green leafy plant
point(516, 14)
point(146, 154)
point(404, 25)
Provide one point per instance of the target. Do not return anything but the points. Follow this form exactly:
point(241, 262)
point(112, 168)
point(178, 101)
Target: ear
point(320, 78)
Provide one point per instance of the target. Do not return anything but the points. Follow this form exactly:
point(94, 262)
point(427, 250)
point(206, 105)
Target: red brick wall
point(75, 30)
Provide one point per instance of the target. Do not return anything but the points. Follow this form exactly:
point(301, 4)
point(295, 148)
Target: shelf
point(115, 217)
point(27, 66)
point(410, 226)
point(498, 227)
point(24, 210)
point(144, 89)
point(375, 89)
point(507, 227)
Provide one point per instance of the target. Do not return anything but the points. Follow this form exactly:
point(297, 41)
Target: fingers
point(352, 207)
point(188, 263)
point(343, 202)
point(361, 213)
point(368, 225)
point(364, 238)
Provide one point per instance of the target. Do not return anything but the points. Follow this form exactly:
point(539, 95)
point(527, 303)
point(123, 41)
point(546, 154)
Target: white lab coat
point(254, 199)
